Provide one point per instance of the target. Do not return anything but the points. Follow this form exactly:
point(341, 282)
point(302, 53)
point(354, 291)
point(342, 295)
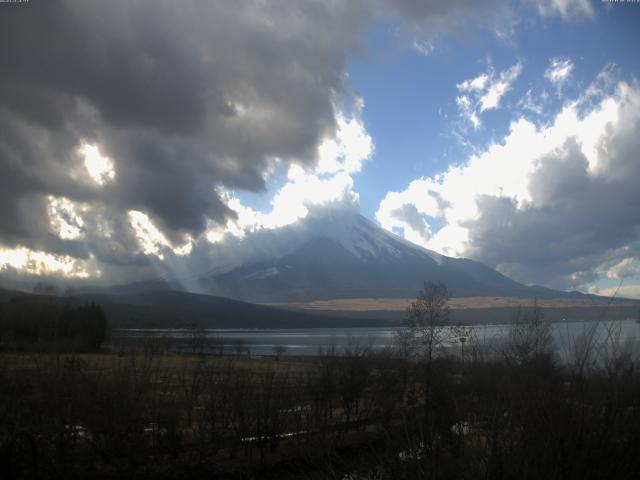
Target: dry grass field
point(461, 303)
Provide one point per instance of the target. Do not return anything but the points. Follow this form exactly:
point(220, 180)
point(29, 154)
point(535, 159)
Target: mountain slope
point(344, 255)
point(173, 309)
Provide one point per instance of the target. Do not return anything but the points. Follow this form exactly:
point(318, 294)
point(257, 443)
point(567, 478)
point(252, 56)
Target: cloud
point(330, 182)
point(534, 103)
point(623, 291)
point(151, 239)
point(433, 18)
point(555, 203)
point(351, 146)
point(154, 106)
point(65, 217)
point(485, 92)
point(159, 109)
point(425, 23)
point(428, 20)
point(559, 72)
point(424, 47)
point(99, 168)
point(625, 268)
point(43, 263)
point(415, 227)
point(566, 8)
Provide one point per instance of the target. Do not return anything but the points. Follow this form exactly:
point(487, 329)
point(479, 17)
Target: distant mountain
point(344, 255)
point(337, 255)
point(173, 309)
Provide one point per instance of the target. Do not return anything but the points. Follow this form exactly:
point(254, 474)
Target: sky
point(138, 137)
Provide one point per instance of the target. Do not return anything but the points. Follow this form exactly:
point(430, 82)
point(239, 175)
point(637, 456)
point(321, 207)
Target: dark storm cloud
point(183, 96)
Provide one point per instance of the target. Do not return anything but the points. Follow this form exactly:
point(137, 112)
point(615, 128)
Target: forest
point(42, 323)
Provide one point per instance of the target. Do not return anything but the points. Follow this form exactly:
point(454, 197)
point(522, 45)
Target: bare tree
point(198, 340)
point(428, 318)
point(240, 346)
point(530, 338)
point(279, 351)
point(192, 384)
point(467, 337)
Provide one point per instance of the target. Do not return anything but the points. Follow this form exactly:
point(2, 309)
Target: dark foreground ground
point(138, 413)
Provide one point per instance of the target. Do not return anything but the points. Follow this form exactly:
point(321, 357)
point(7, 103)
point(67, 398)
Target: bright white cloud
point(468, 110)
point(151, 239)
point(100, 168)
point(485, 92)
point(529, 173)
point(559, 71)
point(41, 263)
point(65, 217)
point(496, 89)
point(351, 147)
point(291, 203)
point(330, 182)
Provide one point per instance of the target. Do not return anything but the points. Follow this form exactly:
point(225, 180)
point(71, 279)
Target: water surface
point(309, 341)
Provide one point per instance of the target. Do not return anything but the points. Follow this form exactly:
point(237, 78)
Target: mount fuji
point(340, 254)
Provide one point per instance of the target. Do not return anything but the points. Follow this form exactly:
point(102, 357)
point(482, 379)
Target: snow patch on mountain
point(361, 237)
point(436, 257)
point(262, 274)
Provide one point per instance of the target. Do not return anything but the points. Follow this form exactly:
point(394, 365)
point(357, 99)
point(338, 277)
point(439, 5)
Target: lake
point(308, 341)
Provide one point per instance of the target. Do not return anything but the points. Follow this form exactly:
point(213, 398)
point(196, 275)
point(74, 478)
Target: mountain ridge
point(176, 309)
point(344, 255)
point(335, 255)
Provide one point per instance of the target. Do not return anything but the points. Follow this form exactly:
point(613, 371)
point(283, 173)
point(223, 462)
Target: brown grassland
point(400, 304)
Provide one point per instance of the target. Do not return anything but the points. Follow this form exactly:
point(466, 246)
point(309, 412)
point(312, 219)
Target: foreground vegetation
point(358, 415)
point(500, 411)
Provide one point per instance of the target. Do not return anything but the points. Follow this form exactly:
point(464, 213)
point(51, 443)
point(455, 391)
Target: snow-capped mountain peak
point(343, 255)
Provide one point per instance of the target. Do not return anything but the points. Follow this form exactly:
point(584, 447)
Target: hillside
point(167, 308)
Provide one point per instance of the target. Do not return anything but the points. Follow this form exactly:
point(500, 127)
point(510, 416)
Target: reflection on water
point(308, 341)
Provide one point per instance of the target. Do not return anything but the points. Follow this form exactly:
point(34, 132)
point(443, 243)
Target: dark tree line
point(45, 324)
